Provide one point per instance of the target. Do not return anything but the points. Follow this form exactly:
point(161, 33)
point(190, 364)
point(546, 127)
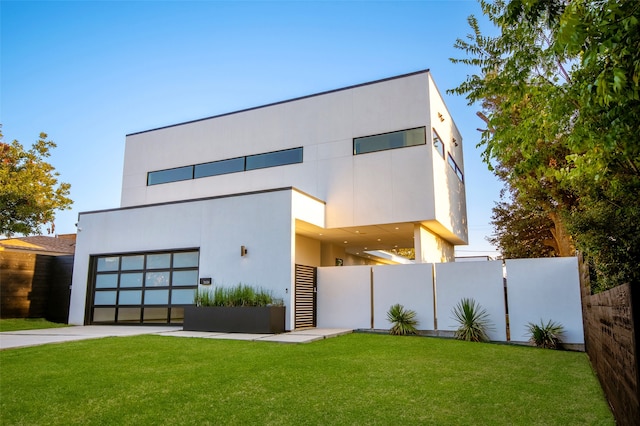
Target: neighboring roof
point(288, 100)
point(61, 244)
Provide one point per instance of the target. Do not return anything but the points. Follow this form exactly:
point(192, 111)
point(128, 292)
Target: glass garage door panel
point(142, 288)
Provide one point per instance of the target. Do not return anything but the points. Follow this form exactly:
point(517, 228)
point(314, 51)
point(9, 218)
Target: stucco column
point(429, 247)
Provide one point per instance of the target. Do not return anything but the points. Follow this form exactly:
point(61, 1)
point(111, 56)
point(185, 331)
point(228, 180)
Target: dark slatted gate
point(305, 296)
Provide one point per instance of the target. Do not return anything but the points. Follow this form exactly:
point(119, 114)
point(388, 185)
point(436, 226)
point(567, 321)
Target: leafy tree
point(522, 231)
point(29, 189)
point(559, 91)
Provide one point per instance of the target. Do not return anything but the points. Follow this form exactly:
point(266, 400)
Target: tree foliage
point(522, 231)
point(559, 92)
point(30, 192)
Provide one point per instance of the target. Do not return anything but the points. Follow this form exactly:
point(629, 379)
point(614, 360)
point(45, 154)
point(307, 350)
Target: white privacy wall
point(545, 289)
point(481, 281)
point(409, 285)
point(537, 289)
point(344, 297)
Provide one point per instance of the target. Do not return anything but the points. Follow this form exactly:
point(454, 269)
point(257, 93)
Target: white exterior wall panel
point(344, 297)
point(542, 290)
point(217, 227)
point(481, 281)
point(409, 285)
point(381, 187)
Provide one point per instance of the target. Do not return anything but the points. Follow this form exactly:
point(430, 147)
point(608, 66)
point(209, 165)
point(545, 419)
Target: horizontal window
point(219, 167)
point(455, 167)
point(171, 175)
point(393, 140)
point(232, 165)
point(273, 159)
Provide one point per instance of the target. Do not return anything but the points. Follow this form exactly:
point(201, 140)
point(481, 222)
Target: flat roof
point(285, 101)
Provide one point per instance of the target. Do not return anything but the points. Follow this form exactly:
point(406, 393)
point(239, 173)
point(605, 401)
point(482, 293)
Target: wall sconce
point(440, 117)
point(454, 141)
point(243, 251)
point(205, 281)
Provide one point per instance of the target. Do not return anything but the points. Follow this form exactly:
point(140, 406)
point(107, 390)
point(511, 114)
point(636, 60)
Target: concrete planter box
point(249, 319)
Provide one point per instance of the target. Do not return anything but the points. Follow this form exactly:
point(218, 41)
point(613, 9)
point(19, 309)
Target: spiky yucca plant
point(473, 321)
point(545, 335)
point(403, 320)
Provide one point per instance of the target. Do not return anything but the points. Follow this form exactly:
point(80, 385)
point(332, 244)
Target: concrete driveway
point(24, 338)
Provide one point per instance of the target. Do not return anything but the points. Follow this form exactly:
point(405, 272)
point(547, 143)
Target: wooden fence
point(35, 286)
point(611, 341)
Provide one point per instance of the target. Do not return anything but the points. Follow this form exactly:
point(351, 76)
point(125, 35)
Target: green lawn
point(16, 324)
point(354, 379)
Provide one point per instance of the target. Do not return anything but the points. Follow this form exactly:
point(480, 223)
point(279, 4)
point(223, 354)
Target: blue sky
point(88, 73)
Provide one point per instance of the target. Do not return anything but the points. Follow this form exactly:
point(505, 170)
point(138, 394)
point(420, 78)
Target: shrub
point(240, 295)
point(404, 321)
point(545, 335)
point(473, 321)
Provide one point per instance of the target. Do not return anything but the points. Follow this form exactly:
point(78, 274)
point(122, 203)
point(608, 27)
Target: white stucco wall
point(431, 248)
point(383, 187)
point(545, 289)
point(449, 192)
point(344, 297)
point(481, 281)
point(217, 227)
point(409, 285)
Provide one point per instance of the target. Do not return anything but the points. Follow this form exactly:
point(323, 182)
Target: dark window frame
point(203, 166)
point(357, 151)
point(245, 168)
point(455, 167)
point(167, 172)
point(274, 154)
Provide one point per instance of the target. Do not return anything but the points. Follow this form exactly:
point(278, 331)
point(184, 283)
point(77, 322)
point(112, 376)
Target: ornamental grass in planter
point(240, 295)
point(239, 309)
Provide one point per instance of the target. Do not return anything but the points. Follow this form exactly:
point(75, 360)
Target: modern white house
point(264, 195)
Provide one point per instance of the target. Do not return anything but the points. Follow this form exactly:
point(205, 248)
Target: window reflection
point(393, 140)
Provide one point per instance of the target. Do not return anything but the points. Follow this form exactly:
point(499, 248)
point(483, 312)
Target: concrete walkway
point(24, 338)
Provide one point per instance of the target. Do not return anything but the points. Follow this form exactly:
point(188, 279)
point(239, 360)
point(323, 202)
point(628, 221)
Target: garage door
point(142, 288)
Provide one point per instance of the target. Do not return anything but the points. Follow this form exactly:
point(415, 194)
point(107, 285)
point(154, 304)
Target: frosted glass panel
point(105, 298)
point(182, 297)
point(108, 263)
point(183, 278)
point(131, 279)
point(156, 297)
point(107, 281)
